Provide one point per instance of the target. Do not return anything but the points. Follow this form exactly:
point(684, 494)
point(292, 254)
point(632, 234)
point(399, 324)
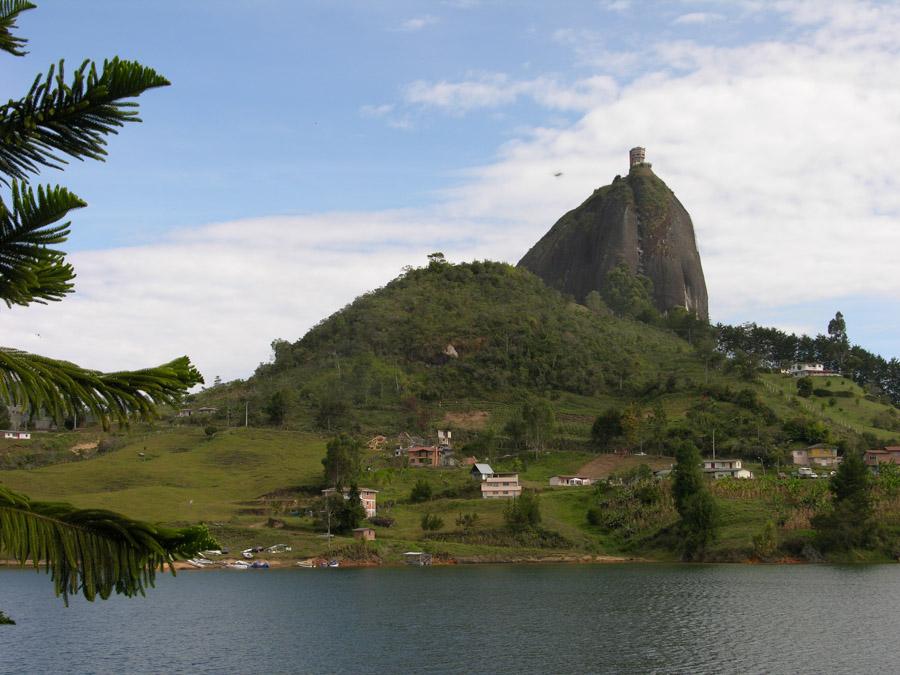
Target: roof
point(573, 476)
point(363, 529)
point(483, 468)
point(417, 448)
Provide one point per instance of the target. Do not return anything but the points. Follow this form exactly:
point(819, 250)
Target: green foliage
point(277, 407)
point(538, 423)
point(5, 421)
point(421, 492)
point(696, 506)
point(607, 428)
point(511, 333)
point(687, 476)
point(5, 620)
point(523, 512)
point(765, 543)
point(851, 522)
point(699, 524)
point(91, 551)
point(210, 431)
point(351, 513)
point(807, 430)
point(343, 457)
point(629, 295)
point(431, 522)
point(466, 521)
point(9, 12)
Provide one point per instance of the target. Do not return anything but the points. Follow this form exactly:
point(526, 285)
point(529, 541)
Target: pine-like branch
point(93, 552)
point(57, 118)
point(61, 389)
point(9, 12)
point(30, 271)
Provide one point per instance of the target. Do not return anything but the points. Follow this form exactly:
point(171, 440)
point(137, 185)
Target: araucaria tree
point(89, 551)
point(696, 506)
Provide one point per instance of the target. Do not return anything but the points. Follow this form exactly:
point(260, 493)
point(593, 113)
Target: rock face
point(636, 220)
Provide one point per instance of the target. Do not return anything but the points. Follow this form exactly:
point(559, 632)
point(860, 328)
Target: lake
point(466, 619)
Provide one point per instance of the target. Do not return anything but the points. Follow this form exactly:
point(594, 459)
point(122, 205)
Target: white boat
point(248, 554)
point(199, 562)
point(306, 563)
point(238, 565)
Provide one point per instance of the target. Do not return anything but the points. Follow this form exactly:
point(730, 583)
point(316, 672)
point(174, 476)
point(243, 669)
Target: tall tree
point(694, 503)
point(343, 455)
point(850, 523)
point(89, 551)
point(839, 342)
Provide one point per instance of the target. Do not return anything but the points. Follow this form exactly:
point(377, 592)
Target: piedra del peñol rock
point(636, 220)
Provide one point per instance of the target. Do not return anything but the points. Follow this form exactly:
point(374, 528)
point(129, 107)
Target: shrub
point(522, 513)
point(766, 542)
point(421, 492)
point(381, 521)
point(431, 522)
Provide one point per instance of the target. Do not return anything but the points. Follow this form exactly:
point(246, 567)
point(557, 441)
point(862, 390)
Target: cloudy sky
point(308, 150)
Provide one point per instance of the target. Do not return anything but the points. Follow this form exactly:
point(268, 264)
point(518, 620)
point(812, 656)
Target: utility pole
point(246, 414)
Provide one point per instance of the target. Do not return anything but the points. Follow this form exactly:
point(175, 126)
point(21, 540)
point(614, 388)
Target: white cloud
point(617, 5)
point(695, 18)
point(376, 110)
point(417, 23)
point(492, 90)
point(221, 293)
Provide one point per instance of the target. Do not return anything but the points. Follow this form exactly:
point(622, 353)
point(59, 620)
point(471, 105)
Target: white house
point(808, 370)
point(17, 435)
point(501, 486)
point(725, 468)
point(571, 480)
point(481, 471)
point(444, 438)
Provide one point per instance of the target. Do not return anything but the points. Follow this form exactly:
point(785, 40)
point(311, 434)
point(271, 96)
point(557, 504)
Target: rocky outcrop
point(636, 220)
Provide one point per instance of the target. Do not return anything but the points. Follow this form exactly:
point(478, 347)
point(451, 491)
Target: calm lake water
point(492, 619)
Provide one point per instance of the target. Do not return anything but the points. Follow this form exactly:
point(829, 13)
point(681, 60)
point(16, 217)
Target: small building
point(364, 533)
point(809, 370)
point(422, 455)
point(501, 486)
point(417, 558)
point(481, 471)
point(206, 410)
point(366, 495)
point(889, 454)
point(725, 468)
point(444, 438)
point(571, 480)
point(816, 455)
point(17, 435)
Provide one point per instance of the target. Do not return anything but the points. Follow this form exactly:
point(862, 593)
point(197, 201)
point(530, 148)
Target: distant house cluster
point(197, 412)
point(418, 454)
point(571, 481)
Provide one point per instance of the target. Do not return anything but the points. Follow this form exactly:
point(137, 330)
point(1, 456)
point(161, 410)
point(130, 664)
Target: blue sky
point(306, 151)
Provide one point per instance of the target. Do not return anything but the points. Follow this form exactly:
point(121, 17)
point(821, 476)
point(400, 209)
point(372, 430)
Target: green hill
point(474, 348)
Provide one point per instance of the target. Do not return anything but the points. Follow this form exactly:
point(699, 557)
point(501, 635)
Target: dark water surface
point(490, 619)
